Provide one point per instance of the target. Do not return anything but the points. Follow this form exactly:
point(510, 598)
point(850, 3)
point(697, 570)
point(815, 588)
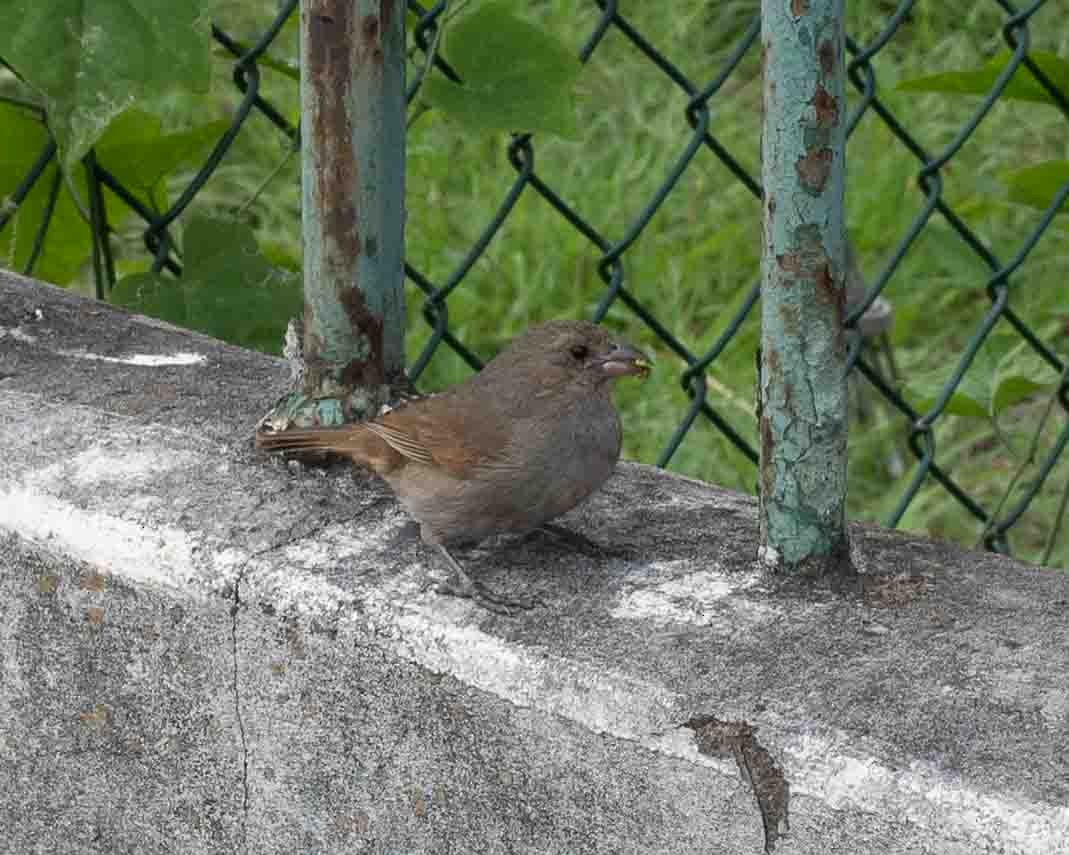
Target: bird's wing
point(449, 432)
point(401, 441)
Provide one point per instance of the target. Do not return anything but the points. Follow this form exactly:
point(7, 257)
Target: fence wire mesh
point(874, 374)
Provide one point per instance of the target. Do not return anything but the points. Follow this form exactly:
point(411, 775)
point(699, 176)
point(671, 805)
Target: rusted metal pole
point(353, 161)
point(803, 420)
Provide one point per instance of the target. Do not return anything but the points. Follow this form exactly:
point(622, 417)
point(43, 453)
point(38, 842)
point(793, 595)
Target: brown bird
point(507, 450)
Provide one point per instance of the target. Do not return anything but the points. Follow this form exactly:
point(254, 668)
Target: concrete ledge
point(206, 652)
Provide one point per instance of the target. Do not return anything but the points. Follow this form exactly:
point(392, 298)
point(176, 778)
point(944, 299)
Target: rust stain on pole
point(826, 57)
point(825, 107)
point(363, 372)
point(803, 392)
point(329, 66)
point(352, 94)
point(813, 169)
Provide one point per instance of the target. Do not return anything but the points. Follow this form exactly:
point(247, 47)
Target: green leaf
point(265, 59)
point(152, 294)
point(1012, 389)
point(1021, 374)
point(949, 251)
point(228, 289)
point(67, 243)
point(137, 152)
point(516, 77)
point(92, 59)
point(286, 69)
point(134, 149)
point(1036, 185)
point(1022, 86)
point(1004, 373)
point(969, 399)
point(973, 395)
point(281, 254)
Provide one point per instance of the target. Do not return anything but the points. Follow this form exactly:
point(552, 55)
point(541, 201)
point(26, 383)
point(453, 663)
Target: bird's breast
point(548, 466)
point(577, 450)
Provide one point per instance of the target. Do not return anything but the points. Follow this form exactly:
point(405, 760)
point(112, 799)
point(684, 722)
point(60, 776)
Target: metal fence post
point(803, 392)
point(353, 161)
point(354, 222)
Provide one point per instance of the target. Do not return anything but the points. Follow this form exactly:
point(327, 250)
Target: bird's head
point(566, 353)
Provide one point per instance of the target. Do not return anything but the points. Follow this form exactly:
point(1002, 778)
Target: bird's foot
point(468, 590)
point(463, 586)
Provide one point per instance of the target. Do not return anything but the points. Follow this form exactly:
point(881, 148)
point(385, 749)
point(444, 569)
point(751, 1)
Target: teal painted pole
point(803, 415)
point(353, 163)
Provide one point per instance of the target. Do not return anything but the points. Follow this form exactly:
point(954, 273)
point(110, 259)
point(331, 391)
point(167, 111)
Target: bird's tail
point(310, 439)
point(353, 441)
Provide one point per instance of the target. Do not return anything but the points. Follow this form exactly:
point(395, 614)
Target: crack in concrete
point(770, 788)
point(234, 609)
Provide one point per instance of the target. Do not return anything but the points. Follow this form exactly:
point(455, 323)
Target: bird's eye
point(579, 351)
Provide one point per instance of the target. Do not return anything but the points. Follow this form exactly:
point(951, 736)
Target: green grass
point(700, 252)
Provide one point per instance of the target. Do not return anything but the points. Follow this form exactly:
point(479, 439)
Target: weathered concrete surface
point(204, 652)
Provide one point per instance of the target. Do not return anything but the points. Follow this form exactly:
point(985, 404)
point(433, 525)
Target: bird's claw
point(463, 586)
point(490, 601)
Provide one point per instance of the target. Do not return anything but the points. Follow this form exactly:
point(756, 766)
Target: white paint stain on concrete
point(17, 334)
point(115, 537)
point(150, 360)
point(827, 767)
point(709, 598)
point(141, 553)
point(103, 465)
point(603, 701)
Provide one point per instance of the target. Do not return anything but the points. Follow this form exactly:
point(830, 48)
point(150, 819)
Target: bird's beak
point(624, 359)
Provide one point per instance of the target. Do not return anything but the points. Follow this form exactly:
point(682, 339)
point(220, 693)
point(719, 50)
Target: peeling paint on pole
point(353, 158)
point(803, 418)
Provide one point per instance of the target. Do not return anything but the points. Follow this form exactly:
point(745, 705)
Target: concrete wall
point(203, 652)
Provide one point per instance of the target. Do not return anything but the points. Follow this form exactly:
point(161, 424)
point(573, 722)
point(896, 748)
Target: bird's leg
point(466, 588)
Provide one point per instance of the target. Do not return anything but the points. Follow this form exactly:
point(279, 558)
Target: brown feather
point(518, 444)
point(354, 441)
point(449, 431)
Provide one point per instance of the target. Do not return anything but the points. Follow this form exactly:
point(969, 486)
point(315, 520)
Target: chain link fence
point(876, 384)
